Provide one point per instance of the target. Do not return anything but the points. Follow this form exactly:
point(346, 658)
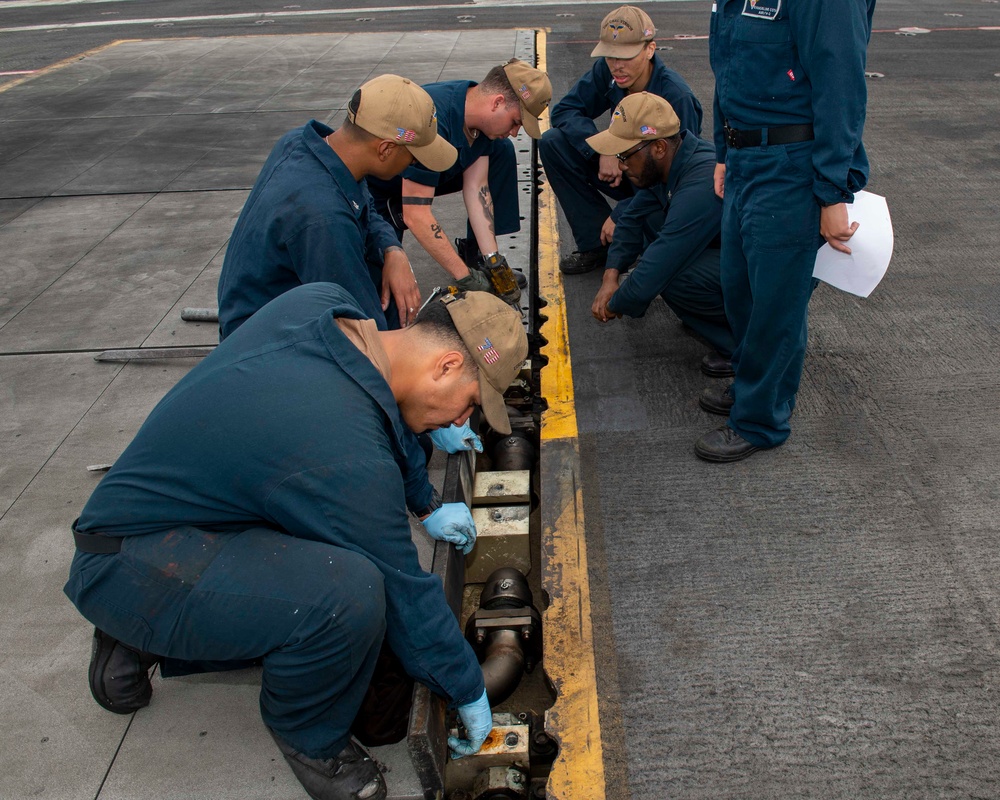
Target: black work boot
point(579, 262)
point(351, 775)
point(119, 674)
point(717, 401)
point(716, 365)
point(723, 445)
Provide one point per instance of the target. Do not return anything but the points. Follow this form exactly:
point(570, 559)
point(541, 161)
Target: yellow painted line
point(559, 418)
point(574, 719)
point(568, 639)
point(64, 63)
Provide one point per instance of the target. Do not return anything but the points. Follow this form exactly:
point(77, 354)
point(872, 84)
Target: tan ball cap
point(638, 118)
point(624, 33)
point(493, 333)
point(533, 88)
point(395, 108)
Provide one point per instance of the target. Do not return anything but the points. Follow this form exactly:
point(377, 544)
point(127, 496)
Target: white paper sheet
point(871, 248)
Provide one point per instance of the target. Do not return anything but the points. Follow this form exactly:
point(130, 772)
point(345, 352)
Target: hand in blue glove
point(478, 721)
point(452, 523)
point(456, 438)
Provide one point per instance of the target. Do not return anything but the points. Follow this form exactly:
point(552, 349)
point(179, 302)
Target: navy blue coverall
point(780, 63)
point(571, 164)
point(307, 219)
point(681, 264)
point(449, 100)
point(262, 511)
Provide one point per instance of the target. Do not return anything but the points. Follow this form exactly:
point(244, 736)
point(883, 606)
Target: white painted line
point(44, 3)
point(270, 15)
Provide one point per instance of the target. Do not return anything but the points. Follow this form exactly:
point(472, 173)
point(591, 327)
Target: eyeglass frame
point(623, 157)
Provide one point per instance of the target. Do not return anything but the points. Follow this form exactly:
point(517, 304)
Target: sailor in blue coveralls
point(627, 63)
point(789, 112)
point(259, 514)
point(672, 171)
point(477, 119)
point(310, 217)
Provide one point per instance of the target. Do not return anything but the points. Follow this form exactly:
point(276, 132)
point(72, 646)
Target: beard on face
point(647, 175)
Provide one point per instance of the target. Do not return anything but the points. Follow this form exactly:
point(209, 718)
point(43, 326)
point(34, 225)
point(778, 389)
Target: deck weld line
point(64, 63)
point(574, 719)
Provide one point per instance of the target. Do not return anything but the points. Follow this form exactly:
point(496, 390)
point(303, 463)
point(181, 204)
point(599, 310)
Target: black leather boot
point(119, 674)
point(579, 262)
point(351, 775)
point(716, 365)
point(717, 401)
point(723, 445)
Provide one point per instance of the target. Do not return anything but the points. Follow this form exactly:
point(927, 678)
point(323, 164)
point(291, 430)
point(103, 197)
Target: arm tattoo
point(416, 201)
point(487, 202)
point(436, 229)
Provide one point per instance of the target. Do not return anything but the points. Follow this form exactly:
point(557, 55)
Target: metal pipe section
point(505, 632)
point(503, 664)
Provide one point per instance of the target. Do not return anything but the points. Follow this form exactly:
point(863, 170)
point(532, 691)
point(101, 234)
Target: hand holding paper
point(871, 248)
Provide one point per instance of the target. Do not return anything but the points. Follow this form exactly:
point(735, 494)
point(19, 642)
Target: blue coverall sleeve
point(687, 108)
point(832, 40)
point(380, 233)
point(330, 249)
point(423, 176)
point(628, 240)
point(692, 222)
point(718, 133)
point(357, 504)
point(574, 115)
point(417, 485)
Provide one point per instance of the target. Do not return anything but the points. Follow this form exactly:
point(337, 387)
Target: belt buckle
point(730, 136)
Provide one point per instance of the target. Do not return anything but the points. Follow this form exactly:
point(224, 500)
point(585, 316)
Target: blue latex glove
point(452, 523)
point(455, 439)
point(477, 717)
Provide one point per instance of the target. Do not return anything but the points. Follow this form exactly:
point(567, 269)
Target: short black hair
point(356, 132)
point(435, 320)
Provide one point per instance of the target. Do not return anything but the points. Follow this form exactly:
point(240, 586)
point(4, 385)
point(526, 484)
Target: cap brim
point(605, 50)
point(607, 144)
point(530, 123)
point(437, 156)
point(493, 406)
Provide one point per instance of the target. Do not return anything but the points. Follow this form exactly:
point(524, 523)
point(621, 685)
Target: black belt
point(786, 134)
point(97, 543)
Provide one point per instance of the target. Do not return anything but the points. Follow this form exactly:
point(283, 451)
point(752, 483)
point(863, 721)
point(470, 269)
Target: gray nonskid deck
point(137, 161)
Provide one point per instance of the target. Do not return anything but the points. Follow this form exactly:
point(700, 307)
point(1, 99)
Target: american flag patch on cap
point(490, 356)
point(646, 130)
point(405, 135)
